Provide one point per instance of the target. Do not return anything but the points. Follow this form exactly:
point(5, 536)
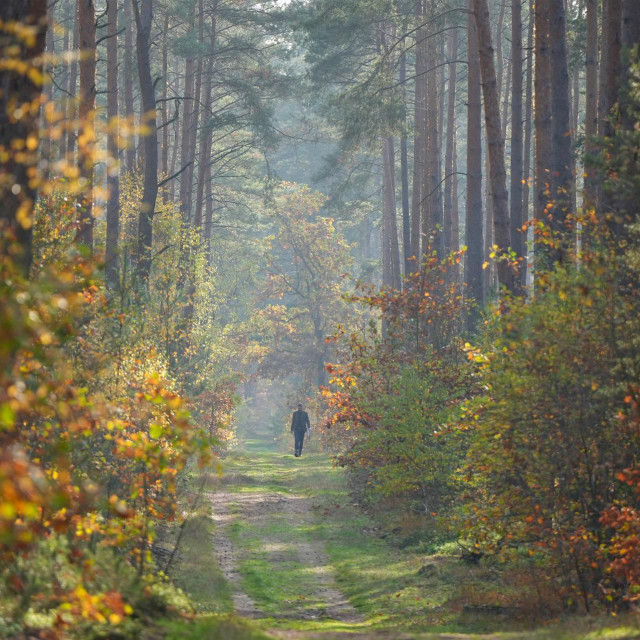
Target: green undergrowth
point(196, 571)
point(212, 627)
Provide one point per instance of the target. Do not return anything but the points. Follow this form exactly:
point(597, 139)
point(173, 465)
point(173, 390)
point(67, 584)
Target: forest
point(417, 220)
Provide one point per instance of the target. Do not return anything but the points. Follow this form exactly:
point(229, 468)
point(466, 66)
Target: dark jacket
point(300, 421)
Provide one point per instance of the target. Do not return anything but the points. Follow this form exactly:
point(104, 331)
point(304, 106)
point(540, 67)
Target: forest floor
point(280, 550)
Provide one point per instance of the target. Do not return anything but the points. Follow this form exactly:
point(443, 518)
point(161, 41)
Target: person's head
point(299, 406)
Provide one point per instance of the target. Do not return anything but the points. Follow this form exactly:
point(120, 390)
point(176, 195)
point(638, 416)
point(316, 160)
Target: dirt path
point(226, 555)
point(256, 510)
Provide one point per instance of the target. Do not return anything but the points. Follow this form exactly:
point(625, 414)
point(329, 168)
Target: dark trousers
point(299, 436)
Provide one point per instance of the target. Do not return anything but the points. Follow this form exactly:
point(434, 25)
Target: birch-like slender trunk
point(390, 225)
point(515, 205)
point(113, 177)
point(164, 162)
point(419, 142)
point(526, 188)
point(72, 88)
point(204, 166)
point(404, 175)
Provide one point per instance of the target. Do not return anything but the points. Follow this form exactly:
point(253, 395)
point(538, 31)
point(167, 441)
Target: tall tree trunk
point(627, 205)
point(498, 177)
point(204, 165)
point(129, 106)
point(563, 184)
point(71, 120)
point(113, 178)
point(439, 195)
point(489, 240)
point(611, 63)
point(64, 84)
point(419, 145)
point(451, 242)
point(455, 208)
point(591, 102)
point(526, 189)
point(208, 215)
point(499, 52)
point(195, 116)
point(631, 49)
point(86, 116)
point(506, 97)
point(176, 142)
point(404, 173)
point(473, 222)
point(164, 164)
point(187, 152)
point(432, 213)
point(18, 87)
point(542, 125)
point(143, 17)
point(515, 208)
point(47, 148)
point(390, 225)
point(575, 123)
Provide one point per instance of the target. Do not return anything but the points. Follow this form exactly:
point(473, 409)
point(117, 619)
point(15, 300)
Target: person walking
point(300, 426)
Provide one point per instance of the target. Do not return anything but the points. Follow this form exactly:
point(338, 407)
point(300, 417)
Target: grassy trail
point(286, 547)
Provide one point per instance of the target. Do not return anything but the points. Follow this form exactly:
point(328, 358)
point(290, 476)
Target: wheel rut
point(322, 598)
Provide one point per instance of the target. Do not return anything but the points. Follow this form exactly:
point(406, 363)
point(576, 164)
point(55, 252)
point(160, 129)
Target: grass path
point(286, 547)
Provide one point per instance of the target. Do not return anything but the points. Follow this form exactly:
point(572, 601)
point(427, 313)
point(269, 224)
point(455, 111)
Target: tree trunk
point(432, 211)
point(561, 121)
point(404, 175)
point(129, 107)
point(451, 242)
point(143, 18)
point(498, 177)
point(187, 152)
point(499, 52)
point(204, 166)
point(390, 226)
point(16, 204)
point(591, 103)
point(542, 125)
point(611, 63)
point(489, 240)
point(506, 96)
point(419, 144)
point(631, 45)
point(195, 116)
point(455, 209)
point(113, 179)
point(72, 86)
point(575, 121)
point(526, 189)
point(47, 148)
point(515, 208)
point(473, 222)
point(164, 164)
point(86, 116)
point(64, 84)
